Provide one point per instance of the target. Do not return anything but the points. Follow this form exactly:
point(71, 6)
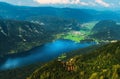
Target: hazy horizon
point(89, 4)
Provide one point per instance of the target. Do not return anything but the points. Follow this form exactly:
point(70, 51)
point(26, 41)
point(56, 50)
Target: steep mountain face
point(18, 36)
point(103, 63)
point(106, 30)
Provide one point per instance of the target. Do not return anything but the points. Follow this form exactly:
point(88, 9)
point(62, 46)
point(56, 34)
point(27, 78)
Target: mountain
point(56, 24)
point(106, 30)
point(8, 11)
point(19, 36)
point(102, 63)
point(24, 13)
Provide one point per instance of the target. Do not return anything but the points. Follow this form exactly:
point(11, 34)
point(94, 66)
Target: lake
point(43, 53)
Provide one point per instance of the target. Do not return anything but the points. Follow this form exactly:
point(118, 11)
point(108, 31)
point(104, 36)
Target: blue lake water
point(43, 53)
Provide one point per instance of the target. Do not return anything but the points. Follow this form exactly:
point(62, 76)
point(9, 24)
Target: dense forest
point(106, 30)
point(103, 63)
point(19, 36)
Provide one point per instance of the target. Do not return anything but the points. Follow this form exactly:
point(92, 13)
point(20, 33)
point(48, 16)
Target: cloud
point(83, 3)
point(51, 1)
point(101, 2)
point(92, 4)
point(78, 2)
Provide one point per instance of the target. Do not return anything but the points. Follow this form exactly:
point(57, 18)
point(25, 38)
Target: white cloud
point(101, 2)
point(78, 2)
point(84, 3)
point(92, 4)
point(52, 1)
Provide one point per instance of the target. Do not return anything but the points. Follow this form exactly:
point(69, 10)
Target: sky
point(107, 4)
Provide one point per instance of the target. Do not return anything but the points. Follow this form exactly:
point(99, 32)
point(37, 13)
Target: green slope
point(106, 30)
point(103, 63)
point(20, 36)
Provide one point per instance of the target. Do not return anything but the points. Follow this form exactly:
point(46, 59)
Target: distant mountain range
point(8, 11)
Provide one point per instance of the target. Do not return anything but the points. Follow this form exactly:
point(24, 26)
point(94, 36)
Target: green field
point(73, 37)
point(77, 36)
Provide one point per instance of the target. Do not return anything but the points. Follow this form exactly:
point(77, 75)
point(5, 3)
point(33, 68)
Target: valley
point(78, 35)
point(59, 43)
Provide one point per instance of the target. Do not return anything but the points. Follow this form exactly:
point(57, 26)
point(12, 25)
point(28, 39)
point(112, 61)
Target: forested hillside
point(106, 30)
point(103, 63)
point(18, 36)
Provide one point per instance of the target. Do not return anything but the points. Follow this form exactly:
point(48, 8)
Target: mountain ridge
point(82, 15)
